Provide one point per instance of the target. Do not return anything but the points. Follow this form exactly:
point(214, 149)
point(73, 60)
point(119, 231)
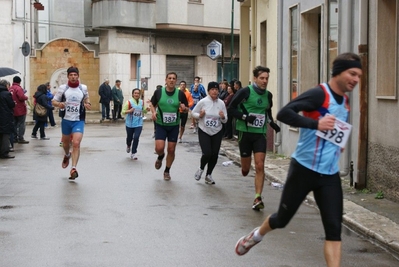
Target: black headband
point(343, 64)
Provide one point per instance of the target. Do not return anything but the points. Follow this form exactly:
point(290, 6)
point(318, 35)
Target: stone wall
point(383, 170)
point(55, 57)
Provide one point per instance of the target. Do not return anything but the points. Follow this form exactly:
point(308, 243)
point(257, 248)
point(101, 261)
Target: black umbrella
point(4, 71)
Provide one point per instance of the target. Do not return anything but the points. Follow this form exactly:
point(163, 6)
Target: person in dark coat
point(105, 93)
point(7, 105)
point(41, 98)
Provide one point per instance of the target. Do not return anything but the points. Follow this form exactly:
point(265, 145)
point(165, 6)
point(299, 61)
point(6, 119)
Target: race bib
point(211, 122)
point(169, 117)
point(137, 113)
point(72, 107)
point(339, 135)
point(259, 122)
point(196, 101)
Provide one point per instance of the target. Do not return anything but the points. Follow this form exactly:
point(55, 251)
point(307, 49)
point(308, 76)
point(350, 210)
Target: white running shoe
point(245, 243)
point(133, 156)
point(198, 174)
point(209, 180)
point(180, 141)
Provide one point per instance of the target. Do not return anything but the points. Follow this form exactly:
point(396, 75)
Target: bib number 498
point(339, 135)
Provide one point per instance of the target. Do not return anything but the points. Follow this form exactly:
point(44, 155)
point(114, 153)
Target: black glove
point(250, 119)
point(274, 126)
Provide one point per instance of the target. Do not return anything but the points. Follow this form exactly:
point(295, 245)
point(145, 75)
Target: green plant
point(379, 195)
point(365, 191)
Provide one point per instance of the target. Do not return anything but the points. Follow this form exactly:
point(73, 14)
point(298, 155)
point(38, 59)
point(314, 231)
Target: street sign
point(25, 48)
point(214, 49)
point(144, 83)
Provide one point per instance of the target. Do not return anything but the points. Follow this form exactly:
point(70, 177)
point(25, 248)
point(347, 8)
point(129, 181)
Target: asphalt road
point(121, 212)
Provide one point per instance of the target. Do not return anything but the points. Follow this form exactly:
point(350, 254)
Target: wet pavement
point(48, 221)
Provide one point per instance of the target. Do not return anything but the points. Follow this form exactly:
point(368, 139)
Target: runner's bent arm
point(240, 96)
point(310, 100)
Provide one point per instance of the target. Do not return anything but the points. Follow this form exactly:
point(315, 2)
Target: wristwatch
point(243, 117)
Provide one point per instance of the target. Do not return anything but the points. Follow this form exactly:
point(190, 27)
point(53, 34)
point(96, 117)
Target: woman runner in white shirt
point(211, 113)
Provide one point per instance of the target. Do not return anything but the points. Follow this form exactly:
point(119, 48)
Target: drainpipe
point(150, 53)
point(347, 155)
point(361, 181)
point(138, 72)
point(277, 136)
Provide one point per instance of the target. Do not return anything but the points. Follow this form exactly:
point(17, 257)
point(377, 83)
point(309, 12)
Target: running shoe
point(245, 243)
point(180, 141)
point(258, 204)
point(128, 149)
point(195, 131)
point(133, 156)
point(33, 136)
point(158, 164)
point(209, 180)
point(45, 138)
point(74, 174)
point(166, 176)
point(198, 174)
point(65, 161)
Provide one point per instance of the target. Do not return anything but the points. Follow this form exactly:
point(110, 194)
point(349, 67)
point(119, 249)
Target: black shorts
point(251, 142)
point(167, 132)
point(183, 119)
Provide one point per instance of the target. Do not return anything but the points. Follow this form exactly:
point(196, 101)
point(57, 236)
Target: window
point(294, 52)
point(134, 59)
point(332, 34)
point(309, 49)
point(386, 69)
point(263, 43)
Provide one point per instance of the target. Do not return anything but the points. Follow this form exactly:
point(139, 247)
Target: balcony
point(124, 13)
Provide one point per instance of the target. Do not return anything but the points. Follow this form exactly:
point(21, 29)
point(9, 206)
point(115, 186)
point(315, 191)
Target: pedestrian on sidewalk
point(251, 106)
point(133, 109)
point(228, 129)
point(117, 97)
point(20, 110)
point(211, 113)
point(7, 105)
point(105, 93)
point(314, 164)
point(165, 104)
point(73, 97)
point(41, 99)
point(50, 97)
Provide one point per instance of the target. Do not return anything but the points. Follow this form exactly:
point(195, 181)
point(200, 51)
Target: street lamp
point(232, 40)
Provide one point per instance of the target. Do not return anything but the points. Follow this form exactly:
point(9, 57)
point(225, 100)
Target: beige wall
point(383, 145)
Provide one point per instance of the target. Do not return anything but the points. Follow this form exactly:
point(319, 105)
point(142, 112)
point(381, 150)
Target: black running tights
point(327, 191)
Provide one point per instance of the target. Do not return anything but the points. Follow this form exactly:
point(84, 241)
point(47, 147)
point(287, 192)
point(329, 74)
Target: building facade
point(140, 41)
point(310, 33)
point(136, 41)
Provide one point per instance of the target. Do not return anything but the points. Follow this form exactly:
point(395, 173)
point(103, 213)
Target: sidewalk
point(377, 219)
